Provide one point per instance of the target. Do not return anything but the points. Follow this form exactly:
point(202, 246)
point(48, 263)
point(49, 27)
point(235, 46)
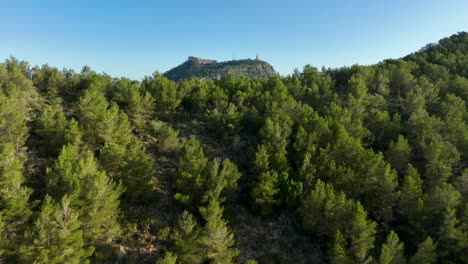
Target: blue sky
point(136, 38)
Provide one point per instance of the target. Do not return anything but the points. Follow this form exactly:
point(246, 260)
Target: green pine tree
point(13, 115)
point(426, 253)
point(56, 236)
point(338, 253)
point(169, 258)
point(392, 250)
point(91, 192)
point(186, 237)
point(217, 242)
point(190, 180)
point(221, 180)
point(265, 190)
point(14, 195)
point(361, 233)
point(398, 154)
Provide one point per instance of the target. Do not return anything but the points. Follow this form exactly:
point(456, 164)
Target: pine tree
point(324, 211)
point(167, 138)
point(140, 107)
point(137, 172)
point(91, 192)
point(440, 157)
point(398, 154)
point(100, 212)
point(164, 91)
point(14, 196)
point(265, 190)
point(262, 159)
point(169, 258)
point(217, 242)
point(73, 134)
point(276, 131)
point(221, 180)
point(386, 194)
point(3, 239)
point(186, 235)
point(13, 115)
point(426, 253)
point(114, 127)
point(411, 207)
point(411, 193)
point(56, 236)
point(102, 122)
point(361, 233)
point(189, 181)
point(392, 250)
point(67, 171)
point(130, 165)
point(52, 124)
point(452, 239)
point(338, 253)
point(92, 108)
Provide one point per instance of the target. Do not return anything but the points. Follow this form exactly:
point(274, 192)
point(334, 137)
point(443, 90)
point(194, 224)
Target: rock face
point(211, 69)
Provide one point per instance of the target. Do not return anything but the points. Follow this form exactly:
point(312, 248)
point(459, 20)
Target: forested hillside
point(361, 164)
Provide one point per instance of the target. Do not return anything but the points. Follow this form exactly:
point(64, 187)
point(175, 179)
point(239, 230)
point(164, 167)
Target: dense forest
point(360, 164)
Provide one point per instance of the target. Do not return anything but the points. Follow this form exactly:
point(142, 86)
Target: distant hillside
point(210, 69)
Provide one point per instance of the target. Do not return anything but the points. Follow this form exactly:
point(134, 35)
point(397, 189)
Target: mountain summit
point(211, 69)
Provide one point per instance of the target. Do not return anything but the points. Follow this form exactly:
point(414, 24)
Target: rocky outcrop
point(211, 69)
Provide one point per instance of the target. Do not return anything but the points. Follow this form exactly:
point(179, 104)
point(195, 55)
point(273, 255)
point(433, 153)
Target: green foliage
point(398, 154)
point(186, 236)
point(338, 252)
point(411, 206)
point(452, 242)
point(359, 151)
point(163, 90)
point(392, 250)
point(216, 241)
point(56, 236)
point(15, 208)
point(221, 180)
point(140, 108)
point(262, 159)
point(192, 163)
point(75, 174)
point(324, 211)
point(138, 104)
point(264, 192)
point(131, 166)
point(13, 117)
point(426, 253)
point(199, 180)
point(56, 131)
point(67, 171)
point(102, 122)
point(169, 258)
point(167, 138)
point(49, 81)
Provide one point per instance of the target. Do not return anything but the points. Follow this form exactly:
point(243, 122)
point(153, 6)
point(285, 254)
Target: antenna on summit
point(257, 58)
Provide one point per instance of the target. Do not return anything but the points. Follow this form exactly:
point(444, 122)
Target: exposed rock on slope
point(210, 69)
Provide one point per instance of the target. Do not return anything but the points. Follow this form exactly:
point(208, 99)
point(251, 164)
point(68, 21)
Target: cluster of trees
point(370, 160)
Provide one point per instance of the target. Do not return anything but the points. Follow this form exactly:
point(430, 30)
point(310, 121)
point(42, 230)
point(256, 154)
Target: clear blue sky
point(136, 38)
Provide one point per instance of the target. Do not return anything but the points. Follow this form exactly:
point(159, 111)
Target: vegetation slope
point(361, 164)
